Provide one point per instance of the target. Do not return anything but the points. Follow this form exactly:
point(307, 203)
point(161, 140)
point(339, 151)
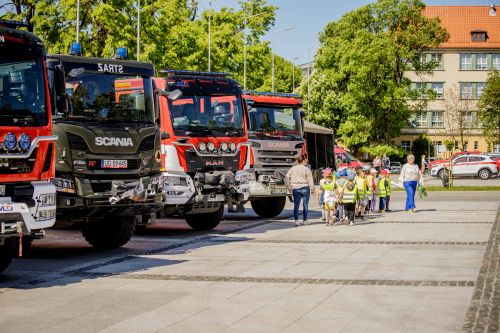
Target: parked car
point(459, 153)
point(395, 167)
point(495, 157)
point(346, 159)
point(481, 166)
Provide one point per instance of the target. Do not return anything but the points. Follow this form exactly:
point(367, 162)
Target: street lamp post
point(272, 54)
point(245, 22)
point(309, 80)
point(293, 73)
point(78, 21)
point(138, 29)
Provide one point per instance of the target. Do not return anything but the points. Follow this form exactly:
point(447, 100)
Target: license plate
point(218, 197)
point(114, 164)
point(278, 191)
point(2, 190)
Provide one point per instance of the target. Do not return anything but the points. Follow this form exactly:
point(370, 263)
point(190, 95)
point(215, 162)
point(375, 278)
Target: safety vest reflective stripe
point(382, 188)
point(349, 196)
point(369, 181)
point(361, 185)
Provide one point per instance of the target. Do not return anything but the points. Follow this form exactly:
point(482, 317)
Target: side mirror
point(60, 82)
point(164, 135)
point(172, 95)
point(302, 114)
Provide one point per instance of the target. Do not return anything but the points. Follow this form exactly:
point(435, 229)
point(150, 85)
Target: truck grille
point(147, 144)
point(277, 153)
point(76, 142)
point(18, 166)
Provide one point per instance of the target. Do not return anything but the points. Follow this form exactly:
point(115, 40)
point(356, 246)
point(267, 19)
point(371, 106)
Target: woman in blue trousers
point(301, 183)
point(410, 177)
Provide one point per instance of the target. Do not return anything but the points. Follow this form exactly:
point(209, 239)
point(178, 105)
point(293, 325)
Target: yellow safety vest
point(384, 186)
point(369, 181)
point(350, 196)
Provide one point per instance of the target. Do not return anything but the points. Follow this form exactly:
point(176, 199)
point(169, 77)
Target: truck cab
point(204, 136)
point(27, 148)
point(108, 171)
point(277, 140)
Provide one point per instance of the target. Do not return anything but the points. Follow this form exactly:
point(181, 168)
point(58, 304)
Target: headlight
point(48, 199)
point(243, 177)
point(65, 185)
point(175, 181)
point(224, 146)
point(46, 215)
point(210, 146)
point(232, 146)
point(24, 142)
point(9, 141)
point(202, 146)
point(156, 179)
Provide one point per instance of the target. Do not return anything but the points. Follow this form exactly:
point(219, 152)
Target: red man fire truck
point(27, 196)
point(204, 135)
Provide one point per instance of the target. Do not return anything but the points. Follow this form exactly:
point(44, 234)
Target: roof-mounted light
point(273, 94)
point(75, 49)
point(174, 72)
point(16, 25)
point(121, 53)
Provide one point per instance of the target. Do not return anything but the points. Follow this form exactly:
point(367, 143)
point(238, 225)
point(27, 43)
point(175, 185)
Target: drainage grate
point(292, 241)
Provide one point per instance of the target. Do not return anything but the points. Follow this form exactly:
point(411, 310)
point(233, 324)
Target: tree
point(458, 117)
point(489, 105)
point(359, 82)
point(174, 34)
point(422, 146)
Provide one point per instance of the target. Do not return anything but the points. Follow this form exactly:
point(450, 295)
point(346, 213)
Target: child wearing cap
point(383, 185)
point(341, 180)
point(328, 187)
point(349, 195)
point(372, 181)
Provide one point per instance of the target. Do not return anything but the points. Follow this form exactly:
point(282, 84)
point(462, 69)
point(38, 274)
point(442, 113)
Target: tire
point(268, 207)
point(484, 174)
point(206, 221)
point(104, 234)
point(441, 173)
point(6, 254)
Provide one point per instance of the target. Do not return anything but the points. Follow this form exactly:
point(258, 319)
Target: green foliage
point(421, 147)
point(174, 34)
point(358, 87)
point(489, 105)
point(380, 150)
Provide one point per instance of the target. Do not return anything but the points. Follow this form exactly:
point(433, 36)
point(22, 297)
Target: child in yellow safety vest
point(383, 187)
point(362, 200)
point(371, 183)
point(328, 191)
point(389, 190)
point(349, 196)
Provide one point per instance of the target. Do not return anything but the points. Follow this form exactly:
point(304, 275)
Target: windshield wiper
point(231, 130)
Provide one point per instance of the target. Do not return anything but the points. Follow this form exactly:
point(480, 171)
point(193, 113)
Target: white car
point(481, 166)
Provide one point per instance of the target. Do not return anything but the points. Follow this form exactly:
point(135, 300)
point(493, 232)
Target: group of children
point(350, 193)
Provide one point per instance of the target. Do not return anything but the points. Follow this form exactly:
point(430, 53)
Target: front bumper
point(267, 190)
point(34, 209)
point(178, 188)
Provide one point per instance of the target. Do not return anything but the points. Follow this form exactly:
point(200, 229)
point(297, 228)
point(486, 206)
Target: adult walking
point(386, 162)
point(410, 177)
point(377, 163)
point(301, 183)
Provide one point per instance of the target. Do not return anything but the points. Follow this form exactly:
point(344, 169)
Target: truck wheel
point(484, 174)
point(205, 221)
point(268, 207)
point(109, 234)
point(6, 254)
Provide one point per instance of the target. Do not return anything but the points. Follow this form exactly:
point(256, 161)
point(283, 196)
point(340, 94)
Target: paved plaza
point(432, 271)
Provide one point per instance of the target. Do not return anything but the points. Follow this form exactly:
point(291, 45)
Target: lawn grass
point(455, 188)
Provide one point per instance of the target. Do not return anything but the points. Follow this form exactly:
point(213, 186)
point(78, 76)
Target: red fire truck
point(204, 135)
point(27, 196)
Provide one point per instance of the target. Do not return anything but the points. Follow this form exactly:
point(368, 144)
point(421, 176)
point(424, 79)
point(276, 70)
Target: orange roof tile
point(461, 20)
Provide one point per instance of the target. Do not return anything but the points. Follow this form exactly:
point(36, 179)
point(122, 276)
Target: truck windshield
point(109, 97)
point(275, 123)
point(218, 115)
point(22, 90)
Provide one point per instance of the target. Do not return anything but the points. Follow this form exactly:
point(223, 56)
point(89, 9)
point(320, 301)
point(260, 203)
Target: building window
point(439, 147)
point(478, 36)
point(406, 146)
point(466, 145)
point(437, 119)
point(470, 119)
point(495, 61)
point(466, 61)
point(466, 90)
point(476, 145)
point(421, 120)
point(435, 58)
point(481, 61)
point(480, 88)
point(438, 89)
point(496, 148)
point(421, 87)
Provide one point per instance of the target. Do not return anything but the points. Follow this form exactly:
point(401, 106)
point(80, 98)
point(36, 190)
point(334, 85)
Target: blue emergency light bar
point(75, 49)
point(173, 72)
point(16, 24)
point(121, 53)
point(274, 94)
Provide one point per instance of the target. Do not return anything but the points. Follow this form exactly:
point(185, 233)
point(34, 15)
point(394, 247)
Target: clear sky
point(309, 18)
